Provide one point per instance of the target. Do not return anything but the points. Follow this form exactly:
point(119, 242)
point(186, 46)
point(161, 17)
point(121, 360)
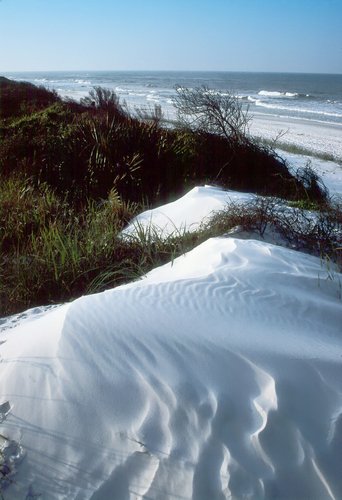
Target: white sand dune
point(200, 203)
point(217, 376)
point(186, 213)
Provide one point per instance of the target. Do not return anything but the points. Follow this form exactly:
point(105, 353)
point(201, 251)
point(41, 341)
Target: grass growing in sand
point(73, 175)
point(52, 252)
point(298, 150)
point(317, 231)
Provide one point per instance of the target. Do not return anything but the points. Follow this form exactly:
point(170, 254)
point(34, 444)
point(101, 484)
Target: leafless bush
point(318, 232)
point(205, 110)
point(254, 216)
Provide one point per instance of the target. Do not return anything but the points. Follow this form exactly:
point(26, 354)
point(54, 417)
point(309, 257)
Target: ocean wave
point(73, 93)
point(267, 105)
point(47, 81)
point(137, 94)
point(242, 97)
point(295, 118)
point(180, 88)
point(153, 98)
point(271, 93)
point(82, 82)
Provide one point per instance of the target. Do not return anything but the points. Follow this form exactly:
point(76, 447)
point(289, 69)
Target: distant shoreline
point(318, 137)
point(306, 127)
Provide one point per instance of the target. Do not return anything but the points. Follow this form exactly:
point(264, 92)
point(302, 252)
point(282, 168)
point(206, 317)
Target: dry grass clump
point(317, 231)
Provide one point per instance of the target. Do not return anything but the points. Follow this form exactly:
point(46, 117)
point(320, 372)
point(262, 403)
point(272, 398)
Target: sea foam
point(269, 93)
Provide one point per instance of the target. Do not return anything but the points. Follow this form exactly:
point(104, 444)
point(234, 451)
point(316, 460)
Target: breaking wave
point(269, 93)
point(313, 111)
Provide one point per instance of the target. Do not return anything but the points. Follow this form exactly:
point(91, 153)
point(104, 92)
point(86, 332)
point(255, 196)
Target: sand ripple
point(217, 377)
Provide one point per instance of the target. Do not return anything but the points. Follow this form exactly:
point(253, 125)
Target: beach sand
point(318, 137)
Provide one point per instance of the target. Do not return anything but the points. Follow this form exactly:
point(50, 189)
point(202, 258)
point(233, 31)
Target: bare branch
point(210, 111)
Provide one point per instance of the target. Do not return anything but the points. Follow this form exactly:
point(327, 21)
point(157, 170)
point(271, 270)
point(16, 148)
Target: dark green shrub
point(84, 151)
point(19, 98)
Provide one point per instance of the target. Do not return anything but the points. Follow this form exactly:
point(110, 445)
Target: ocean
point(310, 97)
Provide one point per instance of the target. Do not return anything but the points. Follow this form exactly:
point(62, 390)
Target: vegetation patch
point(72, 175)
point(298, 149)
point(318, 231)
point(20, 98)
point(85, 150)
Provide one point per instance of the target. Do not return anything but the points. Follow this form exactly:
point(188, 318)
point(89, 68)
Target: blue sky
point(223, 35)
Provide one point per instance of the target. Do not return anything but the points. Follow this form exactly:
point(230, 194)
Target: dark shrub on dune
point(18, 98)
point(84, 150)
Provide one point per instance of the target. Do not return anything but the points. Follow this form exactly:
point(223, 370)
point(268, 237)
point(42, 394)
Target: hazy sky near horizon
point(223, 35)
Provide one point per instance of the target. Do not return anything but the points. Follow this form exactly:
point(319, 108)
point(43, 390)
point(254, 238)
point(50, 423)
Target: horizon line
point(166, 71)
